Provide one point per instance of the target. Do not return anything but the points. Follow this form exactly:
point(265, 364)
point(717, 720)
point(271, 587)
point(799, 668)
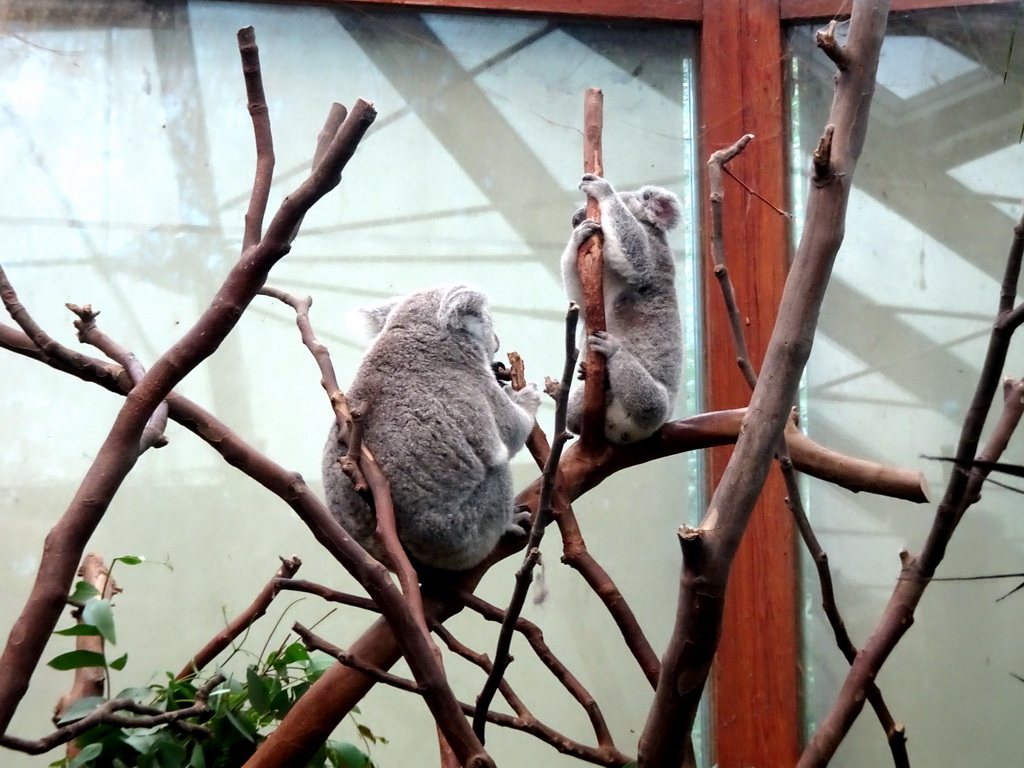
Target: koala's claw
point(582, 375)
point(596, 187)
point(583, 230)
point(604, 342)
point(521, 522)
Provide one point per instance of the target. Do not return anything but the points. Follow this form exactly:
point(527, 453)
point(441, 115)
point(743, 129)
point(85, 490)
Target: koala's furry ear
point(465, 308)
point(370, 320)
point(663, 208)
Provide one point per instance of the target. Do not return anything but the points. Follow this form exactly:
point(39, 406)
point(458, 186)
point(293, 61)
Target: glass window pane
point(903, 333)
point(128, 163)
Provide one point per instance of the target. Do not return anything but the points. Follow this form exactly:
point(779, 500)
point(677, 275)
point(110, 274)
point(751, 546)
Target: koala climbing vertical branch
point(590, 263)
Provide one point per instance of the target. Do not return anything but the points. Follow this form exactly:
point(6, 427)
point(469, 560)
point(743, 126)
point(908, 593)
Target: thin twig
point(535, 637)
point(89, 333)
point(243, 621)
point(106, 713)
point(524, 576)
point(600, 755)
point(962, 491)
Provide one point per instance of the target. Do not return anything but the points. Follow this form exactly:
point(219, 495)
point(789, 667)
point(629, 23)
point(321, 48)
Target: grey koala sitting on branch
point(643, 342)
point(440, 426)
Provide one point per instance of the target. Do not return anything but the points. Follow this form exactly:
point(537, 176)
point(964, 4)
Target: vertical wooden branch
point(260, 115)
point(590, 264)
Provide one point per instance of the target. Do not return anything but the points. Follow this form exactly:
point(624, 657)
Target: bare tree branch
point(961, 492)
point(541, 519)
point(107, 712)
point(117, 455)
point(708, 550)
point(257, 105)
point(243, 621)
point(89, 333)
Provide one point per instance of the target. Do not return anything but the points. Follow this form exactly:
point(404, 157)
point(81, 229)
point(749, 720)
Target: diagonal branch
point(243, 621)
point(708, 550)
point(119, 452)
point(895, 734)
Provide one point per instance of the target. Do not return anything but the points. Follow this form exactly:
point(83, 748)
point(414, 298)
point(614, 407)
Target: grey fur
point(643, 343)
point(439, 424)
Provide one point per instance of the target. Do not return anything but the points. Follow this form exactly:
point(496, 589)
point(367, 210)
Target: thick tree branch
point(116, 457)
point(895, 735)
point(708, 551)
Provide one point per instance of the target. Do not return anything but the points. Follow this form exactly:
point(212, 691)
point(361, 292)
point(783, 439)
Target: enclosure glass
point(127, 168)
point(903, 333)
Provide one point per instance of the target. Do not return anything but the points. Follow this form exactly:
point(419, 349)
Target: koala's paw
point(520, 523)
point(596, 187)
point(527, 398)
point(583, 230)
point(605, 343)
point(582, 375)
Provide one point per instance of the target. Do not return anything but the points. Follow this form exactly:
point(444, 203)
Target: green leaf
point(169, 753)
point(258, 694)
point(198, 757)
point(119, 662)
point(89, 753)
point(366, 733)
point(80, 709)
point(295, 652)
point(79, 630)
point(241, 725)
point(129, 559)
point(137, 693)
point(99, 614)
point(345, 755)
point(83, 591)
point(77, 660)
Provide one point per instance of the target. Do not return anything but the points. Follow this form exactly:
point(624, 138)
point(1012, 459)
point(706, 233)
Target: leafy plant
point(240, 711)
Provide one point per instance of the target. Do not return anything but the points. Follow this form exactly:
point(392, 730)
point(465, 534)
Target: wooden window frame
point(756, 716)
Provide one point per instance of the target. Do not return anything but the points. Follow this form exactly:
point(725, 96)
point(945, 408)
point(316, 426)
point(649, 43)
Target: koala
point(440, 426)
point(643, 342)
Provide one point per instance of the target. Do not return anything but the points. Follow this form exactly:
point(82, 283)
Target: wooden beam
point(755, 683)
point(658, 10)
point(796, 10)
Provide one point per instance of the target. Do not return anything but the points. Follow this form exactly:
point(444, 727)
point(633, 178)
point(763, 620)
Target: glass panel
point(902, 335)
point(128, 164)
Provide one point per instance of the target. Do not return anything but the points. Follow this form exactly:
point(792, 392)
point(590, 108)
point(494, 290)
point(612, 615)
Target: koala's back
point(430, 430)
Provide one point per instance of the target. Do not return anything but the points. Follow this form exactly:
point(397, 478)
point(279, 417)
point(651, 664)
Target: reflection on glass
point(903, 332)
point(128, 164)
